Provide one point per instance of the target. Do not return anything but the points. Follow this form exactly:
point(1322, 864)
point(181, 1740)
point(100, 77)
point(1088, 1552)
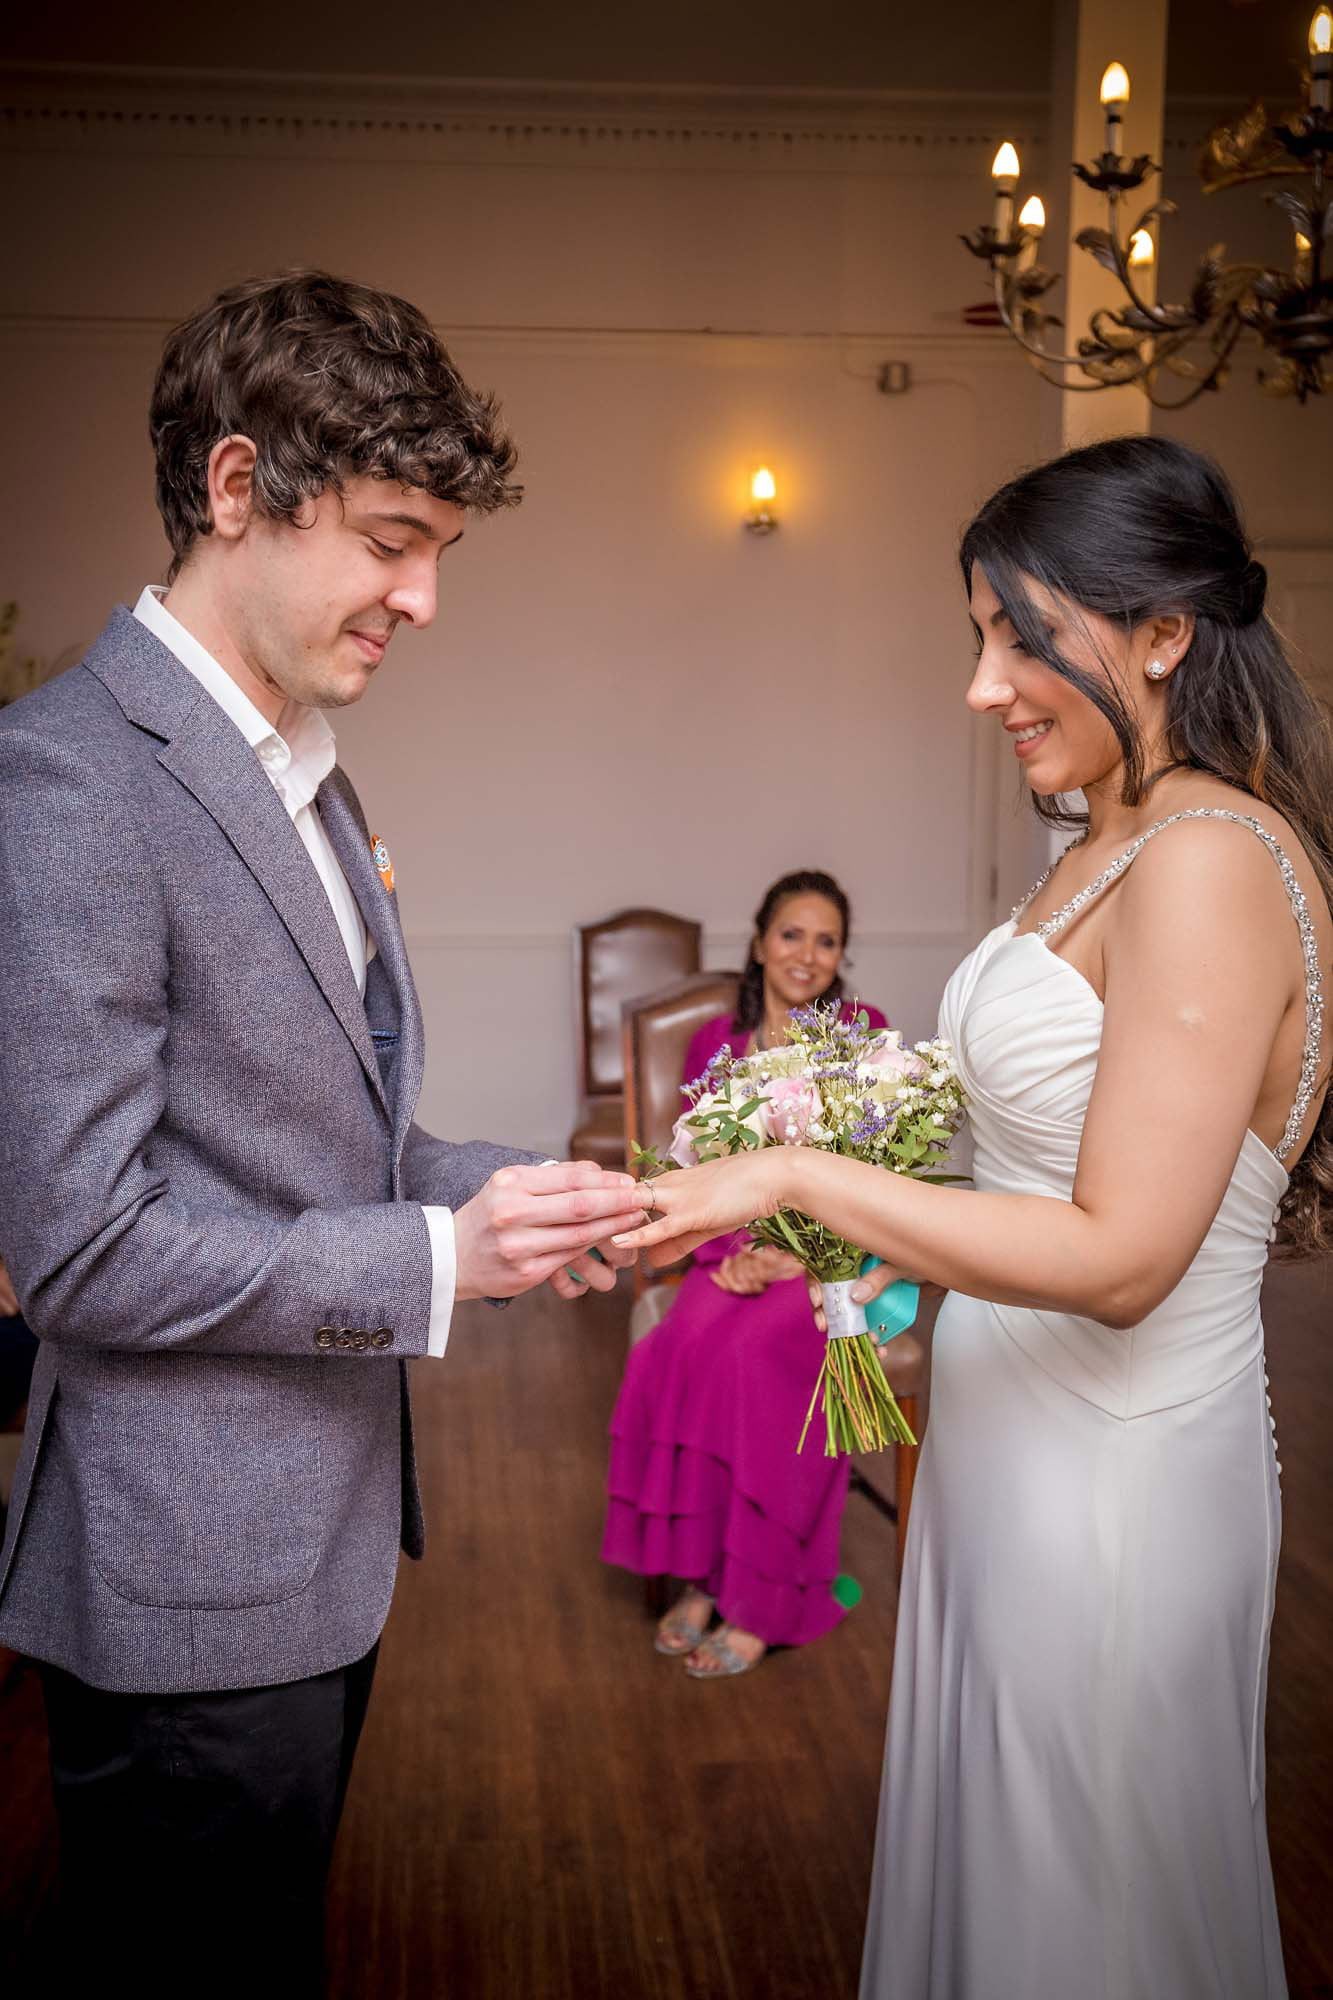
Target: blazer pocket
point(204, 1483)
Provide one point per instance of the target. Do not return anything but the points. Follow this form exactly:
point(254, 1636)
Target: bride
point(1073, 1800)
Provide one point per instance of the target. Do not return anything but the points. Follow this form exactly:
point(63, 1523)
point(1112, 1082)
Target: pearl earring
point(1155, 670)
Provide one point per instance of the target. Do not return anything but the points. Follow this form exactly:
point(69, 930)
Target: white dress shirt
point(296, 762)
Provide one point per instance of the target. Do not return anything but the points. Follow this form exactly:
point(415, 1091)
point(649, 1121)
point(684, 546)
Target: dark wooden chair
point(656, 1032)
point(631, 953)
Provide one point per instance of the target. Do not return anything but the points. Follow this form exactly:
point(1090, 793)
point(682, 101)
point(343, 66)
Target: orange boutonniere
point(380, 856)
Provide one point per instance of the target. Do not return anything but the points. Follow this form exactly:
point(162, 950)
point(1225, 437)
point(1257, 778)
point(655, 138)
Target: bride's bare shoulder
point(1215, 863)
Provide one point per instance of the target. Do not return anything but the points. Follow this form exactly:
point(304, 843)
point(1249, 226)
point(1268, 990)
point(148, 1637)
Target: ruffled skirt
point(705, 1481)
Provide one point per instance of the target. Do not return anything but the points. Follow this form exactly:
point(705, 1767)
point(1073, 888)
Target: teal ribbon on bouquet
point(896, 1307)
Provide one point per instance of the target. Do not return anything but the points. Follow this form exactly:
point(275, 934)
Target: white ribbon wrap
point(845, 1319)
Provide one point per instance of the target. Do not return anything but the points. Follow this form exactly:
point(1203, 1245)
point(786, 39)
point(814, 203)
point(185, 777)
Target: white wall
point(626, 698)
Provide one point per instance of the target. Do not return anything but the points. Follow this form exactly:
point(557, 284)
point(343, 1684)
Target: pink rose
point(791, 1108)
point(892, 1059)
point(682, 1144)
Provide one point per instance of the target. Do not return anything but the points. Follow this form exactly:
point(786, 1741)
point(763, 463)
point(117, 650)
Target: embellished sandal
point(729, 1661)
point(676, 1633)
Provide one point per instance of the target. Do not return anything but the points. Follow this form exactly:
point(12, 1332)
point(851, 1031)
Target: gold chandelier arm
point(1205, 382)
point(1031, 348)
point(1160, 316)
point(1066, 387)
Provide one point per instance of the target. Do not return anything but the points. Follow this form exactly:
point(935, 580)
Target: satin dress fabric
point(1073, 1799)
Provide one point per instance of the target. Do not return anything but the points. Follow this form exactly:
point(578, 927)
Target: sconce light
point(761, 520)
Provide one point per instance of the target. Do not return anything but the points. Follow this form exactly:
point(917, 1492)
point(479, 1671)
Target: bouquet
point(846, 1089)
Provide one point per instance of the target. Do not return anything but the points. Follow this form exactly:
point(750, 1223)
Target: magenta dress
point(705, 1482)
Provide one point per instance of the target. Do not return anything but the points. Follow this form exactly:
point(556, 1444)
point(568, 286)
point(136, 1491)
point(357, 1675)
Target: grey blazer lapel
point(206, 752)
point(345, 825)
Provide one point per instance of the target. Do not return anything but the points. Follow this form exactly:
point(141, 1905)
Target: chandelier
point(1159, 347)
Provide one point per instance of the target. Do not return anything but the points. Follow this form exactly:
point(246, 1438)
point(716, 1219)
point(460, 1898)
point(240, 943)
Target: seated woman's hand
point(751, 1271)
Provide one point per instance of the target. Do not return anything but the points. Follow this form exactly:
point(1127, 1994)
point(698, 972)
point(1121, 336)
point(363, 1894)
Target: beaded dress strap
point(1300, 909)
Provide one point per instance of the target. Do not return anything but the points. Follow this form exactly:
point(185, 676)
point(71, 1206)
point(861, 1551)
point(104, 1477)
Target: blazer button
point(343, 1338)
point(360, 1340)
point(326, 1336)
point(382, 1337)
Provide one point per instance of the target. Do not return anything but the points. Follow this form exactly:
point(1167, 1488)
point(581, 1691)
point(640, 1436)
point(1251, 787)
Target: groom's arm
point(441, 1175)
point(448, 1174)
point(105, 1252)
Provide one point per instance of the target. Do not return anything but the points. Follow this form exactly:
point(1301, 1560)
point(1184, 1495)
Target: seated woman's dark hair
point(803, 882)
point(1129, 529)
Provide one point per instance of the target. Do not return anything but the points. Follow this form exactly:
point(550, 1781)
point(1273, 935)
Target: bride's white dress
point(1073, 1802)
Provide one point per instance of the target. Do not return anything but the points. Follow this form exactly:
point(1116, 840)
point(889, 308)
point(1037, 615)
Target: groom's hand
point(530, 1223)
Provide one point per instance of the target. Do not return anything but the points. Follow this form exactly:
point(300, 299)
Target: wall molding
point(67, 107)
point(987, 344)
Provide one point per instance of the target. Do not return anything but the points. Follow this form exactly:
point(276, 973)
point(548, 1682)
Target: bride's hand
point(869, 1286)
point(699, 1203)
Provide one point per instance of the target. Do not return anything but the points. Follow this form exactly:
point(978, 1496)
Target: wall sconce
point(761, 520)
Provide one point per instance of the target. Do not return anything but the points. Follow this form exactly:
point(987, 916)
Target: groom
point(219, 1214)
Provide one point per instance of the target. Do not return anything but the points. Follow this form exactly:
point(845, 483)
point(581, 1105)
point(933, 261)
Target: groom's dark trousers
point(174, 1809)
point(210, 1202)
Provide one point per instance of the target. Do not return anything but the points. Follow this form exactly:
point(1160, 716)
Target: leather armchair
point(633, 952)
point(656, 1034)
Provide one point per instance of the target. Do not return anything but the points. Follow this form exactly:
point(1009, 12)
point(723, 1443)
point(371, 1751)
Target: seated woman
point(705, 1481)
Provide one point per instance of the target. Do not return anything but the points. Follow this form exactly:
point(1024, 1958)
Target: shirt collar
point(302, 755)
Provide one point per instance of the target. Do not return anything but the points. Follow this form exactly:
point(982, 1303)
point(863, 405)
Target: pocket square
point(380, 856)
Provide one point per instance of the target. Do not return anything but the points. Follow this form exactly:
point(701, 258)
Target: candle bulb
point(1142, 250)
point(761, 520)
point(1304, 258)
point(1321, 59)
point(1115, 96)
point(1032, 221)
point(1004, 172)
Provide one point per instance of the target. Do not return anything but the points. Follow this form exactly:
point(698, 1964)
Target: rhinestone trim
point(1300, 909)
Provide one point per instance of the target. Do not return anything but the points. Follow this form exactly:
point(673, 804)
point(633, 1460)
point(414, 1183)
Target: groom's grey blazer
point(209, 1196)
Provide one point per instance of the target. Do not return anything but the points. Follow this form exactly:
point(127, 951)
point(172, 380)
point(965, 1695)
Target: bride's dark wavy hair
point(1129, 529)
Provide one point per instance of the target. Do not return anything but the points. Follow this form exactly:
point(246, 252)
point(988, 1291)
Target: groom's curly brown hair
point(328, 379)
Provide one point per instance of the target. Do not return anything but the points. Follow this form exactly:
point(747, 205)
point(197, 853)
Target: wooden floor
point(543, 1807)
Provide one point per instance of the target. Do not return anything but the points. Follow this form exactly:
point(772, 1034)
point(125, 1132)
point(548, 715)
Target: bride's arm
point(1202, 961)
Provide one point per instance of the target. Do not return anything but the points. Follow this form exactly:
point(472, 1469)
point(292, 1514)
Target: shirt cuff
point(444, 1276)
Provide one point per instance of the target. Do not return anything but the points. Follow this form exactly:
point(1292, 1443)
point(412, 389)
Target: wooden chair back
point(632, 952)
point(656, 1032)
